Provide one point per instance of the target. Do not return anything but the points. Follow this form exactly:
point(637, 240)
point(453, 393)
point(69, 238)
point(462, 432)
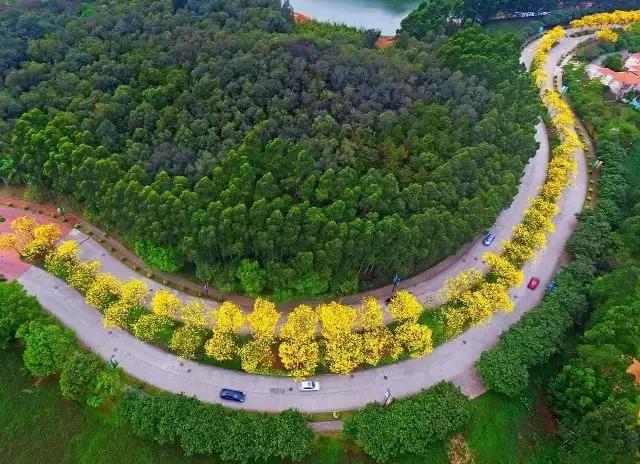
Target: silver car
point(309, 385)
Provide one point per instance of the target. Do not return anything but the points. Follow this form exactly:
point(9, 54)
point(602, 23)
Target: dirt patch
point(386, 41)
point(539, 426)
point(301, 18)
point(634, 370)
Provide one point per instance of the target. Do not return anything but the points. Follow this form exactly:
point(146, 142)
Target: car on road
point(533, 283)
point(309, 385)
point(2, 278)
point(232, 395)
point(488, 239)
point(551, 286)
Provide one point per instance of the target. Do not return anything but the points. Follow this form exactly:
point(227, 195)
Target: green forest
point(221, 140)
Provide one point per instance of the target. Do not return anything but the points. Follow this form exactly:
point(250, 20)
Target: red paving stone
point(10, 264)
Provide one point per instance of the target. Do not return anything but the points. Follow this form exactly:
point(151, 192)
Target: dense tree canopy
point(433, 17)
point(213, 134)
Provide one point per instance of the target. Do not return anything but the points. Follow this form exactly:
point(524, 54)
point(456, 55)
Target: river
point(370, 14)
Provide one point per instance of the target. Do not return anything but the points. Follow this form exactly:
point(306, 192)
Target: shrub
point(34, 193)
point(252, 277)
point(502, 372)
point(64, 258)
point(162, 258)
point(410, 425)
point(79, 377)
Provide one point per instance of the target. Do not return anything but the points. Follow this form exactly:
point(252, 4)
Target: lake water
point(370, 14)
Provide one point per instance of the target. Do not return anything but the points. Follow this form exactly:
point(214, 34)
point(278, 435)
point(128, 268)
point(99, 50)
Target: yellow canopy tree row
point(472, 297)
point(350, 337)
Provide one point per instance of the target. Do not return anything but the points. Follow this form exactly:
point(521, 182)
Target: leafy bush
point(610, 434)
point(503, 372)
point(162, 258)
point(212, 429)
point(34, 193)
point(410, 425)
point(79, 376)
point(614, 62)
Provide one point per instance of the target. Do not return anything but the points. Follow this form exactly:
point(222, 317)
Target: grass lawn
point(504, 431)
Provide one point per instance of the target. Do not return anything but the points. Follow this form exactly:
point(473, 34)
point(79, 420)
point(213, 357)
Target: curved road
point(453, 360)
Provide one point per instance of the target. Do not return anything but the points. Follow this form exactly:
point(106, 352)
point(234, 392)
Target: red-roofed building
point(619, 82)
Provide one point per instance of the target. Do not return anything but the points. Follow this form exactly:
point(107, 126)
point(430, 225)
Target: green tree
point(47, 347)
point(385, 433)
point(79, 377)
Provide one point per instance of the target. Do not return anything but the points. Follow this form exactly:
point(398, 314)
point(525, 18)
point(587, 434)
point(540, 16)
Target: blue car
point(488, 240)
point(232, 395)
point(551, 286)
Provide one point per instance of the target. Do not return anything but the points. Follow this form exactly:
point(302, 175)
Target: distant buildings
point(619, 82)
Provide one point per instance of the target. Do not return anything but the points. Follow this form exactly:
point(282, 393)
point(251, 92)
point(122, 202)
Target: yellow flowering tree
point(404, 306)
point(152, 328)
point(83, 275)
point(229, 321)
point(104, 291)
point(32, 241)
point(187, 341)
point(415, 338)
point(165, 303)
point(134, 292)
point(502, 270)
point(378, 340)
point(195, 313)
point(132, 295)
point(263, 320)
point(63, 259)
point(258, 353)
point(343, 347)
point(298, 350)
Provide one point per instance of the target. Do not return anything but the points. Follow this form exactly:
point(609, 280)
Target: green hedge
point(212, 429)
point(410, 425)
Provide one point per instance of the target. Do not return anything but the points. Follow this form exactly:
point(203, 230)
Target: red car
point(533, 283)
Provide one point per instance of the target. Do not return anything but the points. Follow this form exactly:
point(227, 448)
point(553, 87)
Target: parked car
point(533, 283)
point(232, 395)
point(488, 240)
point(2, 278)
point(309, 385)
point(551, 286)
point(2, 219)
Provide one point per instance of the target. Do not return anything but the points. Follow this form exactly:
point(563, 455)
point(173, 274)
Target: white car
point(309, 385)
